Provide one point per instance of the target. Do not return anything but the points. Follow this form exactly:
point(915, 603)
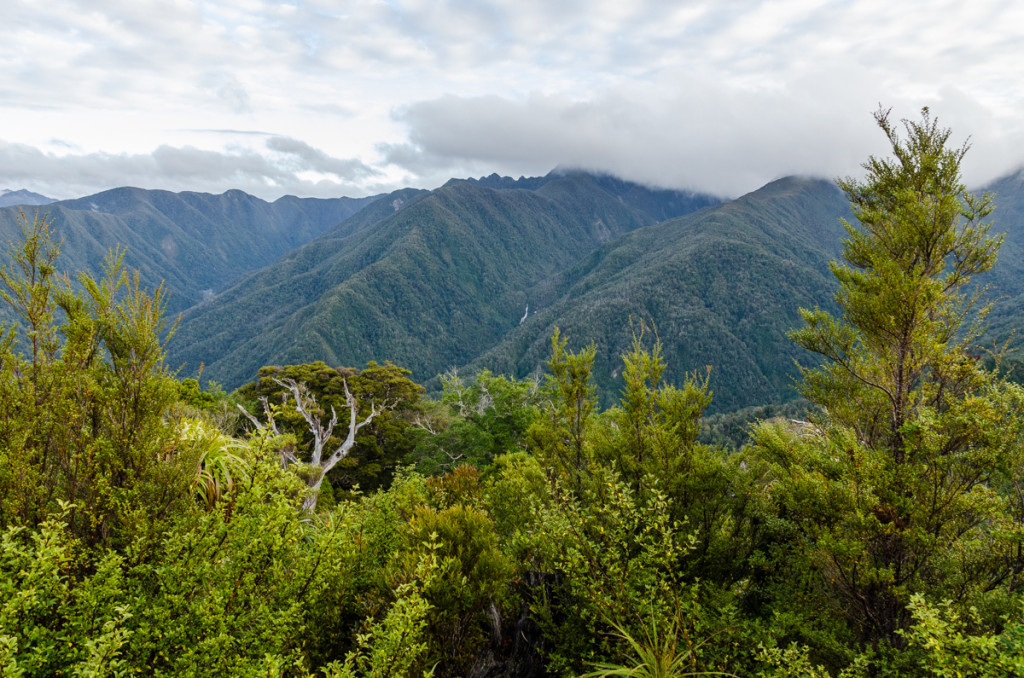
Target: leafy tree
point(475, 422)
point(569, 401)
point(894, 488)
point(82, 403)
point(651, 441)
point(384, 390)
point(472, 574)
point(631, 506)
point(315, 470)
point(385, 444)
point(656, 426)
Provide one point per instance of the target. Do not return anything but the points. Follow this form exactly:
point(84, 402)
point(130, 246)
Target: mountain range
point(477, 274)
point(428, 279)
point(9, 198)
point(196, 244)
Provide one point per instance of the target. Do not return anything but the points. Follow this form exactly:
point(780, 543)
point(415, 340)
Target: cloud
point(701, 137)
point(227, 88)
point(725, 96)
point(715, 95)
point(306, 157)
point(286, 169)
point(691, 132)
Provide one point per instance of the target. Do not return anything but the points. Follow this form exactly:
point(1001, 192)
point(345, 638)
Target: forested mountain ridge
point(440, 277)
point(721, 287)
point(1005, 282)
point(197, 243)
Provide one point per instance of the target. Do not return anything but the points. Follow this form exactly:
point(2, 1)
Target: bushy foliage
point(952, 643)
point(53, 619)
point(900, 485)
point(475, 423)
point(83, 391)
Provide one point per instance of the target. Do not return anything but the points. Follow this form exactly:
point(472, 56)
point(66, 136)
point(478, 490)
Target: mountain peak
point(497, 182)
point(22, 196)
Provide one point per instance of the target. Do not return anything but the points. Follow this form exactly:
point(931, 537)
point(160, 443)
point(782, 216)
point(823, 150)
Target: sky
point(351, 98)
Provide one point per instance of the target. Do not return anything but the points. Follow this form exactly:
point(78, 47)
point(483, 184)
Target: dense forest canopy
point(325, 521)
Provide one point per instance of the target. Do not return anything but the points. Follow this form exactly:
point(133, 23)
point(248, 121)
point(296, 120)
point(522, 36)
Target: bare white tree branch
point(288, 451)
point(306, 404)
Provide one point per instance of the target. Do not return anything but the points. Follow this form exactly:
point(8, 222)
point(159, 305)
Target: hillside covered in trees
point(196, 244)
point(325, 521)
point(476, 275)
point(428, 279)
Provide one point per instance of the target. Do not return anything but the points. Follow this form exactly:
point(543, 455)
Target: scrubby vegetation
point(514, 527)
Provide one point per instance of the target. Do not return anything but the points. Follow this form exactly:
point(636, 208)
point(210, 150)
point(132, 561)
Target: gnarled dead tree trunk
point(305, 404)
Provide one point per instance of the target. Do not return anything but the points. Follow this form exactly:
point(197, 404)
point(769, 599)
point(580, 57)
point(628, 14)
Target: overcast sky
point(329, 98)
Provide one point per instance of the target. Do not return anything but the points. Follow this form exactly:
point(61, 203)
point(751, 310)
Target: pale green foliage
point(952, 649)
point(102, 651)
point(49, 620)
point(662, 421)
point(8, 660)
point(228, 586)
point(228, 591)
point(517, 498)
point(790, 662)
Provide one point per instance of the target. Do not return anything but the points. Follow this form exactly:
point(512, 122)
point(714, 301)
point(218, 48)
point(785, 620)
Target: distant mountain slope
point(1006, 281)
point(437, 279)
point(10, 198)
point(721, 286)
point(198, 243)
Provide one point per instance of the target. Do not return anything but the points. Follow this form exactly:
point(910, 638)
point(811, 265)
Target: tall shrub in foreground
point(895, 489)
point(83, 392)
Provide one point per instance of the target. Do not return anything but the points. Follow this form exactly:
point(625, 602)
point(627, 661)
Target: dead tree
point(305, 404)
